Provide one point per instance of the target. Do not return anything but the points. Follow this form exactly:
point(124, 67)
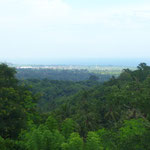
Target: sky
point(59, 31)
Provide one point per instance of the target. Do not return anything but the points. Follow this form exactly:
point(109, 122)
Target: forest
point(45, 114)
point(64, 74)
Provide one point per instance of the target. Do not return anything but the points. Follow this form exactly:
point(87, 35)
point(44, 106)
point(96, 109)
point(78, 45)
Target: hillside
point(86, 115)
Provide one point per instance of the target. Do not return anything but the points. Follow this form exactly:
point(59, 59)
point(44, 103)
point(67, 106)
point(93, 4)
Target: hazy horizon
point(84, 62)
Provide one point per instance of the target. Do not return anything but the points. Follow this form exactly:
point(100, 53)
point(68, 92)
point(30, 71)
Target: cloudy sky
point(70, 29)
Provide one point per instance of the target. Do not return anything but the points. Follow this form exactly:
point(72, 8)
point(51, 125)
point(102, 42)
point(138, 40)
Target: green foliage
point(74, 75)
point(7, 76)
point(8, 144)
point(51, 123)
point(93, 78)
point(131, 128)
point(131, 134)
point(68, 127)
point(81, 115)
point(2, 144)
point(42, 138)
point(74, 142)
point(108, 139)
point(16, 104)
point(93, 142)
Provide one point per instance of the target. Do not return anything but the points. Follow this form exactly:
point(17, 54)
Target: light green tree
point(93, 142)
point(68, 127)
point(51, 123)
point(74, 142)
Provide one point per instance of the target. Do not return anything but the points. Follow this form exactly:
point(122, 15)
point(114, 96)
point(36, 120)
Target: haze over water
point(91, 61)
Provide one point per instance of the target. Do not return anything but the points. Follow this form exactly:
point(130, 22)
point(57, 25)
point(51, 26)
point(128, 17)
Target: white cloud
point(118, 15)
point(28, 11)
point(59, 12)
point(49, 8)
